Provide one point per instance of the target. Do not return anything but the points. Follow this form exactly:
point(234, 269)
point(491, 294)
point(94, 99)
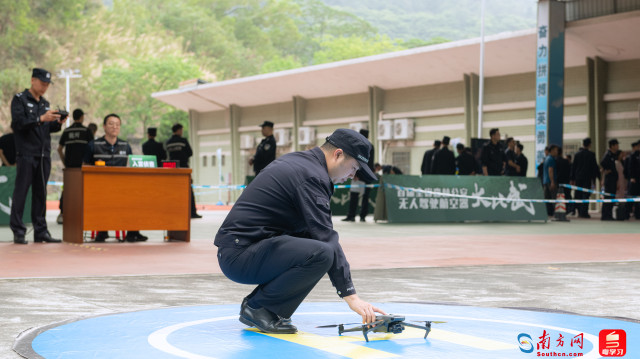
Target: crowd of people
point(28, 148)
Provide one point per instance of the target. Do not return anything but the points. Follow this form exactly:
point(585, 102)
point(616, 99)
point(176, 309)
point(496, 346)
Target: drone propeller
point(427, 321)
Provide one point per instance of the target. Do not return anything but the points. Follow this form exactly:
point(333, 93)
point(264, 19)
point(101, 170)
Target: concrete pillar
point(235, 114)
point(299, 116)
point(471, 98)
point(599, 107)
point(376, 105)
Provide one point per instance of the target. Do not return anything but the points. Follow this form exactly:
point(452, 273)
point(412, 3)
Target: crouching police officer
point(279, 233)
point(32, 122)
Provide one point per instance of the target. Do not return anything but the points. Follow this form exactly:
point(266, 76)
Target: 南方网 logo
point(526, 343)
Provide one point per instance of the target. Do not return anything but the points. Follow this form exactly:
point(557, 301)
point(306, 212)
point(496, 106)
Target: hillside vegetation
point(126, 50)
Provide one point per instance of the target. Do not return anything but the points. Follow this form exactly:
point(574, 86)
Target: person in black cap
point(425, 168)
point(355, 192)
point(72, 146)
point(33, 121)
point(266, 151)
point(444, 162)
point(179, 150)
point(154, 148)
point(279, 233)
point(610, 173)
point(584, 172)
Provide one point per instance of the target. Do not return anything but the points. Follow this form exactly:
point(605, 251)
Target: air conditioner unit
point(385, 130)
point(283, 136)
point(357, 126)
point(246, 142)
point(306, 136)
point(403, 129)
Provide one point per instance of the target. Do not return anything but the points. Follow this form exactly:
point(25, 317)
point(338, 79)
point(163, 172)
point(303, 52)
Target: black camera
point(63, 114)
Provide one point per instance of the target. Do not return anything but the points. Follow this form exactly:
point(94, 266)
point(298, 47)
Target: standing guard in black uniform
point(493, 157)
point(511, 168)
point(153, 147)
point(72, 146)
point(465, 162)
point(179, 150)
point(425, 167)
point(584, 172)
point(444, 162)
point(633, 172)
point(610, 173)
point(279, 233)
point(33, 122)
point(266, 151)
point(114, 152)
point(521, 160)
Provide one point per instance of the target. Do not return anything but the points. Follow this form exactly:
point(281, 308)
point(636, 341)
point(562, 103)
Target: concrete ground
point(585, 266)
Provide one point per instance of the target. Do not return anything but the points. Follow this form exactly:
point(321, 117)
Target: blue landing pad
point(203, 332)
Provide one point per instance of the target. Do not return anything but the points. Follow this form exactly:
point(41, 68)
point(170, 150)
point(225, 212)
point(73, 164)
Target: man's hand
point(553, 186)
point(366, 310)
point(251, 161)
point(50, 116)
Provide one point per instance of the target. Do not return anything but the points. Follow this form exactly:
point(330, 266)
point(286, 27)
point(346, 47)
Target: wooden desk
point(100, 198)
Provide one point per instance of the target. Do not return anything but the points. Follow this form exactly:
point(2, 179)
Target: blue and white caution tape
point(338, 186)
point(54, 183)
point(582, 189)
point(508, 199)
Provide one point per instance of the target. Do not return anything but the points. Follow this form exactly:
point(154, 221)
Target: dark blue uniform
point(265, 154)
point(113, 155)
point(610, 182)
point(279, 234)
point(584, 171)
point(154, 148)
point(75, 139)
point(493, 157)
point(33, 160)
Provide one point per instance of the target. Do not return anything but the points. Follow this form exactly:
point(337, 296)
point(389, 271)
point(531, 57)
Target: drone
point(384, 324)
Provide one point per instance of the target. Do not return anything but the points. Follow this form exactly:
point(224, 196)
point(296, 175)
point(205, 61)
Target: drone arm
point(426, 327)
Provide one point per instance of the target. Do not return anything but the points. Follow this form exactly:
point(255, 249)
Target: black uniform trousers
point(353, 204)
point(286, 269)
point(610, 186)
point(30, 172)
point(583, 208)
point(634, 191)
point(550, 194)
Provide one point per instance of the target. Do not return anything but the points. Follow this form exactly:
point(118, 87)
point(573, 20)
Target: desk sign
point(141, 161)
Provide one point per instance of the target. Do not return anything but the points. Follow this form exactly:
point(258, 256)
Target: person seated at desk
point(114, 152)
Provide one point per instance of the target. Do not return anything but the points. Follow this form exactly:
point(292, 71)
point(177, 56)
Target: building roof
point(612, 38)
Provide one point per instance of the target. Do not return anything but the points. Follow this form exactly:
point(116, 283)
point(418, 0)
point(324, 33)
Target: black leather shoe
point(141, 238)
point(46, 237)
point(101, 236)
point(19, 239)
point(265, 321)
point(349, 219)
point(131, 237)
point(195, 215)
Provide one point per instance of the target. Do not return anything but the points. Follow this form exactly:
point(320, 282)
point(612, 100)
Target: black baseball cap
point(356, 146)
point(267, 124)
point(41, 74)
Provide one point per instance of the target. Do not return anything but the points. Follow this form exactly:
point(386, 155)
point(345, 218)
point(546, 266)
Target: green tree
point(342, 48)
point(126, 90)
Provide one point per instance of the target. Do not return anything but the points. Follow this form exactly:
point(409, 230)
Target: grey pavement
point(607, 289)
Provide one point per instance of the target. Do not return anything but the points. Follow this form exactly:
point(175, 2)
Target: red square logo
point(613, 343)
